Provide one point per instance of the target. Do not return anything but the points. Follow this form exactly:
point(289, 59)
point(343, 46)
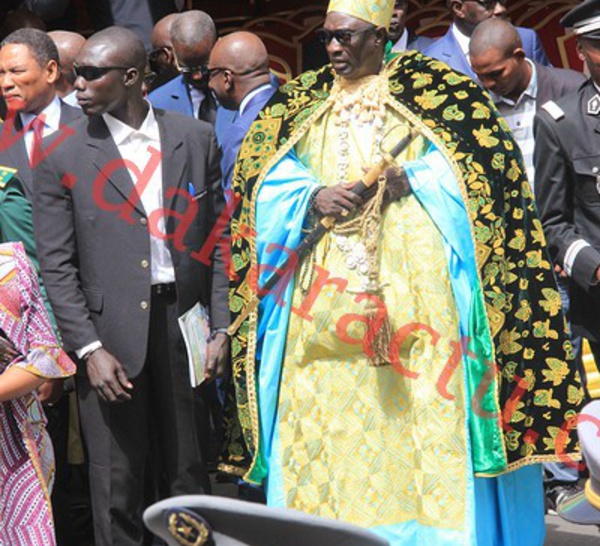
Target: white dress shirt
point(402, 44)
point(197, 97)
point(463, 42)
point(519, 116)
point(134, 145)
point(250, 95)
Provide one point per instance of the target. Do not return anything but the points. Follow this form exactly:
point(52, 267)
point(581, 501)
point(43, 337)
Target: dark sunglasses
point(490, 4)
point(91, 73)
point(156, 53)
point(203, 70)
point(343, 36)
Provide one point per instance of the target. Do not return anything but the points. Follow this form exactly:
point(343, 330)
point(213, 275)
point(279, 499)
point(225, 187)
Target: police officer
point(567, 178)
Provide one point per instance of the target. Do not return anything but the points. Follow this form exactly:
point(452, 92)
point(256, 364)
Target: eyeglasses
point(91, 73)
point(490, 4)
point(188, 71)
point(343, 36)
point(214, 70)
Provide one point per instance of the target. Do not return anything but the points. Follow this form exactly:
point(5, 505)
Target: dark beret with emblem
point(202, 520)
point(584, 19)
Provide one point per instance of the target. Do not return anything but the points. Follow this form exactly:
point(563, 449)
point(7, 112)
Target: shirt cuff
point(88, 349)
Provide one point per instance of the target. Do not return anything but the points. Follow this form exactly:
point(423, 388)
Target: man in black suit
point(29, 72)
point(124, 221)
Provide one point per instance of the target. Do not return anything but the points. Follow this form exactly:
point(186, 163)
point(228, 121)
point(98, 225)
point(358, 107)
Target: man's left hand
point(217, 364)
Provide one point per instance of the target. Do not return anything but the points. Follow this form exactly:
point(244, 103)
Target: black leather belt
point(163, 289)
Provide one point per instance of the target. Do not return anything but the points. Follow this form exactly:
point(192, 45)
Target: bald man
point(241, 81)
point(68, 44)
point(133, 173)
point(161, 58)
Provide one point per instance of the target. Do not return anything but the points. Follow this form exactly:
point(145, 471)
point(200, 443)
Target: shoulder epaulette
point(554, 110)
point(6, 174)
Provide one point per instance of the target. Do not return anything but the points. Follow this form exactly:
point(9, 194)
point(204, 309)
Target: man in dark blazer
point(453, 47)
point(29, 62)
point(240, 79)
point(124, 219)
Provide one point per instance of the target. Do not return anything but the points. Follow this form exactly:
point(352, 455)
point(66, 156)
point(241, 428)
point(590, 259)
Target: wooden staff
point(325, 225)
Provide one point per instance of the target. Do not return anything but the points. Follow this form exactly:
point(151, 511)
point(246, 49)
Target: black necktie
point(208, 109)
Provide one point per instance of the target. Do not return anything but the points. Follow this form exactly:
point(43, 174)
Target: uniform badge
point(593, 107)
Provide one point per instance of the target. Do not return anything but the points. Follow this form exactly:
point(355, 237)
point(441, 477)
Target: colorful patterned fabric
point(534, 383)
point(376, 12)
point(26, 459)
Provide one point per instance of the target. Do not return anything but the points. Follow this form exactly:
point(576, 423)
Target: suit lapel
point(17, 153)
point(455, 51)
point(182, 93)
point(173, 162)
point(544, 87)
point(109, 164)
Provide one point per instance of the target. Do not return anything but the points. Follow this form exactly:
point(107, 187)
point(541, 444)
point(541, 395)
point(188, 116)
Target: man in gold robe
point(411, 373)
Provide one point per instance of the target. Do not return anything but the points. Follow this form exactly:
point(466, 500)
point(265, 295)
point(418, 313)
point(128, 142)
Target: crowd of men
point(143, 183)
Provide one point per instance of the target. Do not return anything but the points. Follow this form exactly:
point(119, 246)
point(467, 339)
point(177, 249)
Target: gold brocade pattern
point(349, 430)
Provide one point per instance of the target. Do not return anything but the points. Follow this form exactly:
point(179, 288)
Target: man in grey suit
point(29, 73)
point(123, 225)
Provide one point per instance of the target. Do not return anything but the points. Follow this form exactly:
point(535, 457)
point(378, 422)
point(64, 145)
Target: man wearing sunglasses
point(347, 402)
point(119, 245)
point(453, 47)
point(193, 36)
point(240, 79)
point(162, 58)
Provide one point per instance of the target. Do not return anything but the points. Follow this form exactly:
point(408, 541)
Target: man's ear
point(380, 35)
point(519, 53)
point(228, 80)
point(52, 72)
point(580, 50)
point(131, 76)
point(456, 8)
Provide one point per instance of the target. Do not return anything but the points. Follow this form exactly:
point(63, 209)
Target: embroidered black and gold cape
point(538, 387)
